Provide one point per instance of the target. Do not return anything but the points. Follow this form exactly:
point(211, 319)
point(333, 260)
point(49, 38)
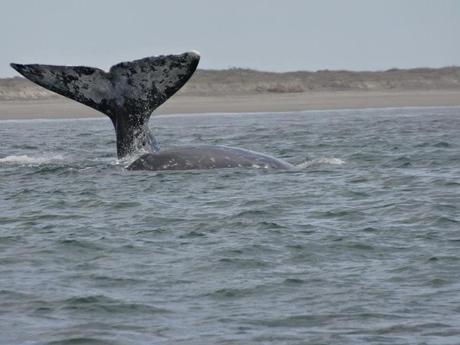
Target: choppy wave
point(360, 245)
point(28, 160)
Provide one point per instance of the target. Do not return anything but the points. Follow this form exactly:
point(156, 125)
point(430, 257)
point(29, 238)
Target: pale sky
point(273, 35)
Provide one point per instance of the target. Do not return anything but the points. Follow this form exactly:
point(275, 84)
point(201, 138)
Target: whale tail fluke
point(127, 94)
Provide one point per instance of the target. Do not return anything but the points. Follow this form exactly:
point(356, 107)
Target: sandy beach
point(241, 90)
point(59, 107)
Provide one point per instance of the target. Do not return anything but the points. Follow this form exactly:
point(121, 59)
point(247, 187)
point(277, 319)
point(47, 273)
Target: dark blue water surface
point(359, 245)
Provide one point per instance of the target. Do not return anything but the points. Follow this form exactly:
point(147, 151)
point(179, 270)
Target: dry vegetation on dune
point(244, 81)
point(237, 81)
point(18, 88)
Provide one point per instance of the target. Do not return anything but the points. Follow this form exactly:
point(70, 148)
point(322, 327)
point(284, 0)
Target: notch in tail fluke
point(128, 93)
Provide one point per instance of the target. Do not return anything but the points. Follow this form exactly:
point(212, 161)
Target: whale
point(128, 94)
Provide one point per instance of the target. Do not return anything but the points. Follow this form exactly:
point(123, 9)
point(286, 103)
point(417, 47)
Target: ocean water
point(358, 245)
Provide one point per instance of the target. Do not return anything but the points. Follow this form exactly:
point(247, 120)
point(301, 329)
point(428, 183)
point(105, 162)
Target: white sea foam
point(27, 160)
point(321, 161)
point(128, 160)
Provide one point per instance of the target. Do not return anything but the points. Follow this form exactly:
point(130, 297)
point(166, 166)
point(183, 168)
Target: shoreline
point(61, 108)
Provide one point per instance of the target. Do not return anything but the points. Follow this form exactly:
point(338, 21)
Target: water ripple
point(358, 245)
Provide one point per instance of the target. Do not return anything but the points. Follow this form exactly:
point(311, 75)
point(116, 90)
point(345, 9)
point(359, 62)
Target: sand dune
point(242, 90)
point(244, 81)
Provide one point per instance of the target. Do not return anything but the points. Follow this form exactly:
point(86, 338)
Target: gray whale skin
point(128, 94)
